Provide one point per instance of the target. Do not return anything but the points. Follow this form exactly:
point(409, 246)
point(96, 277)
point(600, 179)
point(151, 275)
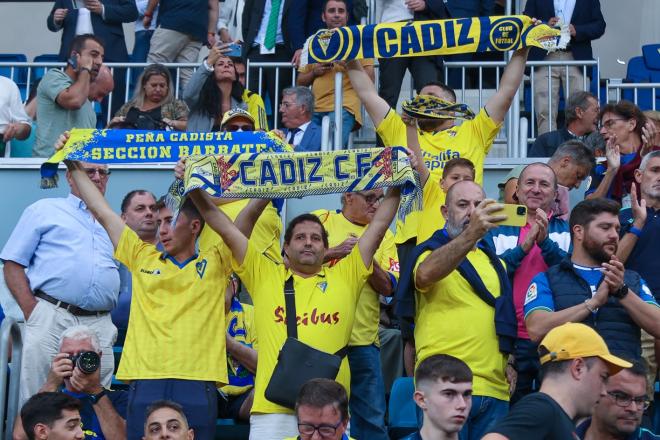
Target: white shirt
point(84, 22)
point(395, 10)
point(231, 18)
point(11, 106)
point(564, 10)
point(141, 6)
point(261, 35)
point(297, 138)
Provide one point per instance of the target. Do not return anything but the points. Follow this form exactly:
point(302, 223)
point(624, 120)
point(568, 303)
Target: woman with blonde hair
point(153, 106)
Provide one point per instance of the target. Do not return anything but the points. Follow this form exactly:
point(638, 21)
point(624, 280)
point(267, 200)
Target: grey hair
point(81, 333)
point(577, 151)
point(577, 100)
point(647, 158)
point(303, 95)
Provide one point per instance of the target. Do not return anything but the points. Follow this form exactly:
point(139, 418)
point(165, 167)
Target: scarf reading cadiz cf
point(292, 175)
point(434, 37)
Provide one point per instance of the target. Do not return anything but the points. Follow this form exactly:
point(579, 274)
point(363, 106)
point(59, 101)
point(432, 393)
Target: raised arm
point(413, 145)
point(499, 103)
point(220, 223)
point(370, 240)
point(446, 259)
point(95, 202)
point(376, 106)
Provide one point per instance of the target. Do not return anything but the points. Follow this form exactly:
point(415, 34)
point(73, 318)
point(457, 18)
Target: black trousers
point(392, 71)
point(267, 84)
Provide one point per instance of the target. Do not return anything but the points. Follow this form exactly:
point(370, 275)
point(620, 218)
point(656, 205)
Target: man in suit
point(586, 23)
point(297, 108)
point(103, 19)
point(266, 39)
point(581, 117)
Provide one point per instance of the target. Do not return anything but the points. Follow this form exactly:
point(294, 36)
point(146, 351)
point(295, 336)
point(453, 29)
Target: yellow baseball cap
point(236, 113)
point(573, 340)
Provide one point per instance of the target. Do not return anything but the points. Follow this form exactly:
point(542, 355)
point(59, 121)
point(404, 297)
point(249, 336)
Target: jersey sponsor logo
point(323, 285)
point(532, 293)
point(314, 318)
point(438, 161)
point(201, 268)
point(150, 272)
point(394, 265)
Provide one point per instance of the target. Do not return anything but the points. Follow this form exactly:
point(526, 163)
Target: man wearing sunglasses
point(237, 119)
point(618, 414)
point(71, 278)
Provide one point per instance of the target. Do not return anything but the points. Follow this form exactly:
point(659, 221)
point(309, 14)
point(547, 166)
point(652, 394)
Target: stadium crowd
point(537, 322)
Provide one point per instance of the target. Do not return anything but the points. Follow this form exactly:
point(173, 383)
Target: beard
point(454, 228)
point(597, 250)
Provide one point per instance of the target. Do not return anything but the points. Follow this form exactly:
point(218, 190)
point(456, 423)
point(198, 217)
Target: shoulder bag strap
point(290, 306)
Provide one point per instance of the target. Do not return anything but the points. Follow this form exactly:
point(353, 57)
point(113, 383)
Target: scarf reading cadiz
point(139, 146)
point(290, 175)
point(434, 37)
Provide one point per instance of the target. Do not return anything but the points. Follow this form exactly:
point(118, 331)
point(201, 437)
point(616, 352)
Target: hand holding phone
point(516, 215)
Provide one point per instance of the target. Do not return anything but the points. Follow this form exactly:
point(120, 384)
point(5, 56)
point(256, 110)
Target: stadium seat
point(638, 72)
point(19, 75)
point(402, 410)
point(38, 72)
point(228, 429)
point(651, 54)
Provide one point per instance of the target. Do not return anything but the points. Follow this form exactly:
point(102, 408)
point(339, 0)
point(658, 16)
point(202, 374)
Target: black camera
point(86, 361)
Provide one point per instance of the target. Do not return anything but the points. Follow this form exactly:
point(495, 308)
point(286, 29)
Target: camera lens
point(520, 210)
point(88, 362)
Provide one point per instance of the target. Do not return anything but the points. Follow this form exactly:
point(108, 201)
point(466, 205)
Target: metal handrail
point(513, 137)
point(655, 86)
point(10, 332)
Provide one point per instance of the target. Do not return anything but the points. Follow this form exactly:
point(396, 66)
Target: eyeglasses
point(610, 122)
point(324, 430)
point(287, 104)
point(235, 127)
point(371, 199)
point(624, 400)
point(103, 173)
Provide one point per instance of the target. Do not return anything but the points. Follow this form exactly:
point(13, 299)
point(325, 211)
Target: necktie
point(292, 134)
point(271, 27)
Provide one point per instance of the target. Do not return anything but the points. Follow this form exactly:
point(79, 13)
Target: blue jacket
point(108, 29)
point(554, 248)
point(311, 140)
point(611, 321)
point(506, 324)
point(587, 19)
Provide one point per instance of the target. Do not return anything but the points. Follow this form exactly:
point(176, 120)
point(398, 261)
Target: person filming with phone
point(63, 96)
point(459, 281)
point(75, 371)
point(540, 240)
point(215, 88)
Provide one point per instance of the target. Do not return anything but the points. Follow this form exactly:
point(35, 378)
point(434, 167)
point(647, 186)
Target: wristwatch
point(94, 398)
point(621, 293)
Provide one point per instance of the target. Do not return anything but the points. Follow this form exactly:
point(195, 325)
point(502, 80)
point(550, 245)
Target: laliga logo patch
point(323, 285)
point(531, 294)
point(504, 33)
point(201, 267)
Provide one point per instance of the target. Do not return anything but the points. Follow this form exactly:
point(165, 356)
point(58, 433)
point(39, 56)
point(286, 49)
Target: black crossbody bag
point(297, 362)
